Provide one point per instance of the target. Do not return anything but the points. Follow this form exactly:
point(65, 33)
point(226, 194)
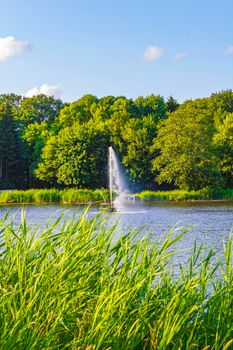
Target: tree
point(102, 110)
point(222, 102)
point(122, 110)
point(172, 105)
point(39, 109)
point(80, 111)
point(12, 156)
point(35, 136)
point(77, 156)
point(11, 100)
point(133, 129)
point(153, 105)
point(138, 135)
point(36, 118)
point(223, 139)
point(187, 156)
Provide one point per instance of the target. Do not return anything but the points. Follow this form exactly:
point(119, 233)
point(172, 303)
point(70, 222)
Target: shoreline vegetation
point(53, 196)
point(159, 142)
point(96, 197)
point(182, 195)
point(73, 285)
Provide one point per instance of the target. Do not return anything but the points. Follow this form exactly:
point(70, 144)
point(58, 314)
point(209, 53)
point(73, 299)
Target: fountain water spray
point(117, 181)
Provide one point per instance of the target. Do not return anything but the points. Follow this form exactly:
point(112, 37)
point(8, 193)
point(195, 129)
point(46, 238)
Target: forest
point(48, 143)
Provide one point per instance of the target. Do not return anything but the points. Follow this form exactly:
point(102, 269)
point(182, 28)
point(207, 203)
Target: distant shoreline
point(86, 197)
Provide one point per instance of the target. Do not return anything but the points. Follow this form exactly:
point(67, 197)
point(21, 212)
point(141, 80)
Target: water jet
point(117, 182)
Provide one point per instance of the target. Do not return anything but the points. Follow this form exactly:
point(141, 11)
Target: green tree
point(11, 100)
point(80, 111)
point(39, 109)
point(133, 127)
point(36, 118)
point(223, 139)
point(35, 136)
point(221, 102)
point(77, 156)
point(103, 110)
point(138, 135)
point(187, 157)
point(122, 110)
point(152, 105)
point(12, 161)
point(172, 105)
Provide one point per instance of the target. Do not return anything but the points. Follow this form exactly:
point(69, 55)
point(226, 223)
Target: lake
point(209, 222)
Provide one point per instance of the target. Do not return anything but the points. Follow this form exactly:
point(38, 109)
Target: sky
point(68, 48)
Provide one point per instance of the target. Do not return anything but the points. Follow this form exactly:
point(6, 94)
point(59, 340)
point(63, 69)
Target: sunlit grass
point(204, 194)
point(85, 196)
point(70, 196)
point(73, 285)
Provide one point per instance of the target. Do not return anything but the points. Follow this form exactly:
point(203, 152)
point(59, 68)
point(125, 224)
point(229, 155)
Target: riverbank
point(74, 286)
point(96, 197)
point(181, 195)
point(53, 196)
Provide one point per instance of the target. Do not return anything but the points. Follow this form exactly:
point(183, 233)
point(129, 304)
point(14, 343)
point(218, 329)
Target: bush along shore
point(85, 196)
point(72, 285)
point(182, 195)
point(69, 196)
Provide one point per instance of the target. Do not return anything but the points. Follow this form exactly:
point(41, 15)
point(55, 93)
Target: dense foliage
point(161, 144)
point(74, 285)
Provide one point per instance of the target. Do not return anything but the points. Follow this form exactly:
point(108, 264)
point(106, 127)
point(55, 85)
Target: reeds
point(70, 196)
point(73, 285)
point(85, 196)
point(179, 195)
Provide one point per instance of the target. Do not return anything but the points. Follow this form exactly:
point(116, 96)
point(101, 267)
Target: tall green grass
point(70, 196)
point(73, 285)
point(84, 196)
point(203, 194)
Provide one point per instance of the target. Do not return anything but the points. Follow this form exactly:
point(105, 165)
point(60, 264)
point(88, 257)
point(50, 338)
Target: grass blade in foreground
point(71, 287)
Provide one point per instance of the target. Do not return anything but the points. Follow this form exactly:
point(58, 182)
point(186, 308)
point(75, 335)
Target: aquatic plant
point(203, 194)
point(70, 196)
point(73, 285)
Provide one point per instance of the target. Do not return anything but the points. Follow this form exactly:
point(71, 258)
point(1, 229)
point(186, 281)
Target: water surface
point(209, 222)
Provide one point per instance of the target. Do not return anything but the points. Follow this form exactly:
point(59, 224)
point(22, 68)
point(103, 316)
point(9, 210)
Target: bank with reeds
point(96, 197)
point(48, 196)
point(72, 285)
point(181, 195)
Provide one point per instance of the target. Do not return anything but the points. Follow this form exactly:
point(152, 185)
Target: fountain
point(117, 182)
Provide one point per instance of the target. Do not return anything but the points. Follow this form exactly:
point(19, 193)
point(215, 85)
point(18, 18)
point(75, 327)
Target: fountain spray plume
point(117, 182)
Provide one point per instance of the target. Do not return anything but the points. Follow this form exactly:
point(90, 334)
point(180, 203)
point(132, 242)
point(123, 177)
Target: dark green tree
point(13, 173)
point(36, 118)
point(171, 104)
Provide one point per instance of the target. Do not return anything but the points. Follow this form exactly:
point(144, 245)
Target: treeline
point(162, 145)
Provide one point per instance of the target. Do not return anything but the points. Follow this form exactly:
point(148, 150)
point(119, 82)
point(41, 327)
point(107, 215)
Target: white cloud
point(32, 92)
point(229, 50)
point(9, 46)
point(49, 90)
point(180, 56)
point(153, 53)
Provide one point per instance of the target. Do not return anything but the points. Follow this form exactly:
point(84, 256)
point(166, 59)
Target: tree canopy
point(47, 143)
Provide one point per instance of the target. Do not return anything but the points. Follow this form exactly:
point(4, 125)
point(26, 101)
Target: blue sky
point(70, 48)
